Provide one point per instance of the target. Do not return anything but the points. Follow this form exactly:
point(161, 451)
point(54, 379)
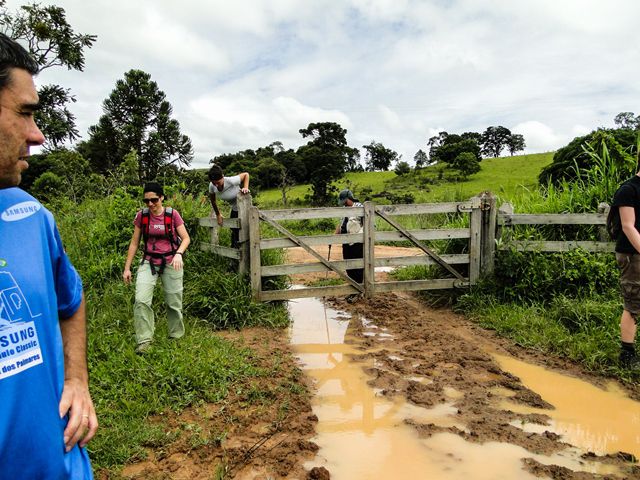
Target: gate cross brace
point(319, 257)
point(421, 246)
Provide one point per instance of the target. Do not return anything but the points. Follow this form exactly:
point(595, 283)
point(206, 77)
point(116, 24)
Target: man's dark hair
point(215, 173)
point(153, 187)
point(13, 55)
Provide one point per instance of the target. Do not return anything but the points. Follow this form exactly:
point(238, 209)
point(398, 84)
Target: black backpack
point(614, 224)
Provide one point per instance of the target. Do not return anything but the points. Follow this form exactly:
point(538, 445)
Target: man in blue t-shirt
point(47, 415)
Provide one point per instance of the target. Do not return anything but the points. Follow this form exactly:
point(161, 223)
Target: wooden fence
point(486, 233)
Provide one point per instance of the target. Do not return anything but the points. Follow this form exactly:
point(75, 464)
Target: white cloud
point(539, 137)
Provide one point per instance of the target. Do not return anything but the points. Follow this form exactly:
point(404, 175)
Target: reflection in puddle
point(362, 435)
point(602, 421)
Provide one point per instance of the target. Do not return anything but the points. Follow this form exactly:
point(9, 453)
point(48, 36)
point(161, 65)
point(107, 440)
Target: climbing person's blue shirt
point(38, 286)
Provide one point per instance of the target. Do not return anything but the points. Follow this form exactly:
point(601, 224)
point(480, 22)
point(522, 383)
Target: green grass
point(507, 177)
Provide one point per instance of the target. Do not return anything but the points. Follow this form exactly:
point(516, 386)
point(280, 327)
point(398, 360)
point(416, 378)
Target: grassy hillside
point(507, 177)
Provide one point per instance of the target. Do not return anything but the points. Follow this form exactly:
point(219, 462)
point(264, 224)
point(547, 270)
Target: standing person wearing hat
point(165, 241)
point(351, 224)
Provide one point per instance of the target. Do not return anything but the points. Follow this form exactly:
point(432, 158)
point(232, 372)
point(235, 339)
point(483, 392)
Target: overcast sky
point(242, 74)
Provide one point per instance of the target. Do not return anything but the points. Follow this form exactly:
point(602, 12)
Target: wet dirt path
point(404, 391)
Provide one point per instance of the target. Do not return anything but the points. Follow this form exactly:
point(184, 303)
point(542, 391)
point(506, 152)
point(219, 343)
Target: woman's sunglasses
point(151, 200)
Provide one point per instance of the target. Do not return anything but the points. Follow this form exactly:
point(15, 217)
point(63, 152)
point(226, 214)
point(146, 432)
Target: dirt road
point(273, 438)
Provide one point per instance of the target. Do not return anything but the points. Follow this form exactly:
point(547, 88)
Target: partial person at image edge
point(627, 201)
point(47, 415)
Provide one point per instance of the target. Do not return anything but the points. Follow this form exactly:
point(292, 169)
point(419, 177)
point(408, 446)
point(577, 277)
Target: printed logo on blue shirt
point(20, 211)
point(19, 344)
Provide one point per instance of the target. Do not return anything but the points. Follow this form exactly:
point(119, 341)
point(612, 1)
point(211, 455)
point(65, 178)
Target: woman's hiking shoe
point(629, 360)
point(143, 347)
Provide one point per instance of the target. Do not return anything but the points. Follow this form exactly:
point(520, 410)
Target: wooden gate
point(476, 248)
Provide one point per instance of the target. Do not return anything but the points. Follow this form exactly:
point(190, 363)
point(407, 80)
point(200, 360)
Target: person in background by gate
point(165, 240)
point(351, 224)
point(227, 189)
point(627, 201)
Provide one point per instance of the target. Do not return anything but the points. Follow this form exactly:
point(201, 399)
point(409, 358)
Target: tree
point(52, 42)
point(571, 161)
point(421, 159)
point(455, 145)
point(515, 143)
point(379, 157)
point(402, 168)
point(137, 117)
point(494, 139)
point(325, 157)
point(627, 120)
point(436, 142)
point(467, 163)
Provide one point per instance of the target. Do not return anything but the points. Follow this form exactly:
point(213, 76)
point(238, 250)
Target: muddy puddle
point(603, 421)
point(365, 435)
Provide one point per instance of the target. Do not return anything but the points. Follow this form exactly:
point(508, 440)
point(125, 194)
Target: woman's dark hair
point(153, 187)
point(215, 173)
point(13, 55)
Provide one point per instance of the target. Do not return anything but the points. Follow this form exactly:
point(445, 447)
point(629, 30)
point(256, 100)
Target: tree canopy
point(326, 156)
point(50, 39)
point(379, 157)
point(137, 117)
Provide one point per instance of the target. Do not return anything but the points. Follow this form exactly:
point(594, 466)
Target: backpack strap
point(145, 220)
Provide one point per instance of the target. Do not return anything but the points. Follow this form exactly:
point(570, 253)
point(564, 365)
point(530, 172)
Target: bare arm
point(628, 220)
point(76, 400)
point(244, 182)
point(177, 261)
point(214, 205)
point(131, 253)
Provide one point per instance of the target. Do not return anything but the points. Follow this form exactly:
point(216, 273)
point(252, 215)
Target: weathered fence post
point(488, 241)
point(244, 205)
point(254, 252)
point(475, 227)
point(603, 235)
point(369, 249)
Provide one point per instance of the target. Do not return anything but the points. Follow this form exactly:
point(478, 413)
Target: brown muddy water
point(363, 435)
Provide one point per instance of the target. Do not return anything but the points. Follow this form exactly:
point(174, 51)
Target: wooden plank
point(369, 248)
point(226, 222)
point(381, 236)
point(413, 285)
point(222, 251)
point(293, 237)
point(548, 246)
point(552, 219)
point(244, 204)
point(420, 245)
point(298, 268)
point(475, 227)
point(332, 291)
point(426, 208)
point(310, 213)
point(255, 264)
